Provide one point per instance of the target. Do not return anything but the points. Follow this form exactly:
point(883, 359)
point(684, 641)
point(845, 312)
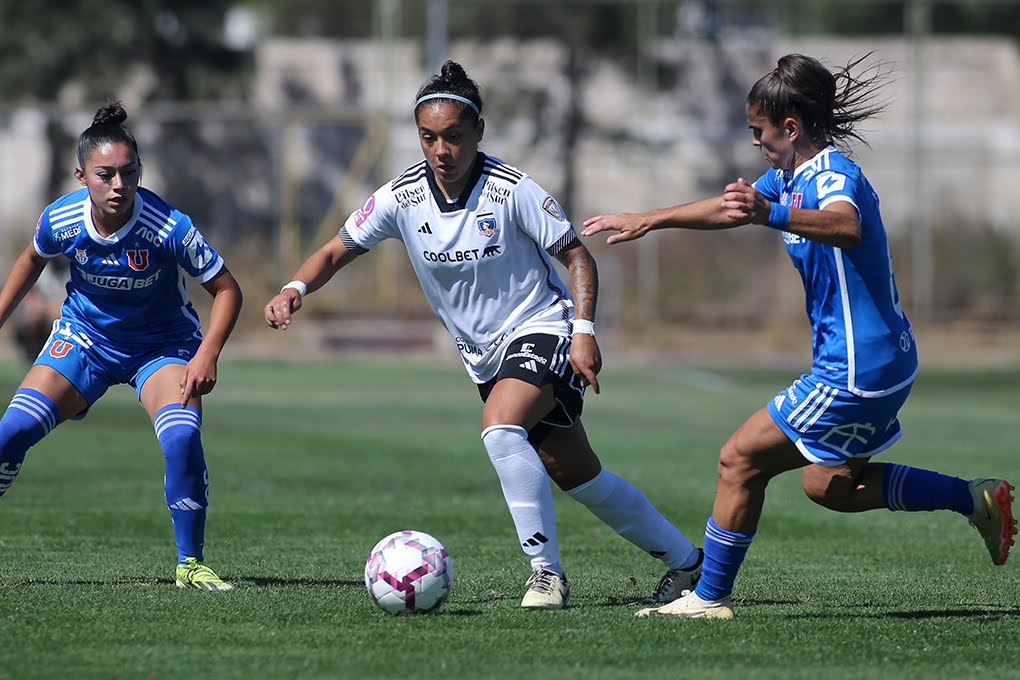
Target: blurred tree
point(602, 25)
point(332, 18)
point(175, 50)
point(888, 17)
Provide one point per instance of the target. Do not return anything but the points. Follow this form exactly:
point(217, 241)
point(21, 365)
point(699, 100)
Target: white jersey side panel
point(483, 262)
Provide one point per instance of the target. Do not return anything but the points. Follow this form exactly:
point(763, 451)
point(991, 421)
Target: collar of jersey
point(116, 236)
point(461, 202)
point(806, 164)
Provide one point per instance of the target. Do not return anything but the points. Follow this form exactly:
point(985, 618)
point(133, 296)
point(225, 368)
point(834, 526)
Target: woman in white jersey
point(479, 234)
point(127, 319)
point(831, 421)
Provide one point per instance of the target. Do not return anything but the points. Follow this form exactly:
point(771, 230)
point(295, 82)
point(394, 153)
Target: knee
point(736, 467)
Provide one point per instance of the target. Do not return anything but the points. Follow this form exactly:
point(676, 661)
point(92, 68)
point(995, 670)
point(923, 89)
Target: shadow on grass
point(455, 612)
point(841, 612)
point(28, 582)
point(301, 582)
point(243, 581)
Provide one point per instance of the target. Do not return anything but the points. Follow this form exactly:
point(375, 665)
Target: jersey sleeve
point(372, 223)
point(769, 186)
point(193, 253)
point(43, 240)
point(540, 216)
point(833, 186)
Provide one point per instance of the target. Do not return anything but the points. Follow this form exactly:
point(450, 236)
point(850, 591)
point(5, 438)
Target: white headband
point(447, 95)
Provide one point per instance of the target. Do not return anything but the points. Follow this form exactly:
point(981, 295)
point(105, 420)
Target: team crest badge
point(81, 255)
point(138, 259)
point(487, 225)
point(552, 207)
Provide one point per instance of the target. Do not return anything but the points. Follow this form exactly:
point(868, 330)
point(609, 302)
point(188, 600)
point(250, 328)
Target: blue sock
point(29, 418)
point(724, 553)
point(186, 484)
point(913, 489)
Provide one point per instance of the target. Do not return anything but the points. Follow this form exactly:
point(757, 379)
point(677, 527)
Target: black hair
point(828, 104)
point(107, 128)
point(452, 79)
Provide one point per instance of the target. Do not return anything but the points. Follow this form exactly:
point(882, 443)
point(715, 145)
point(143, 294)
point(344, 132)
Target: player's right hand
point(281, 308)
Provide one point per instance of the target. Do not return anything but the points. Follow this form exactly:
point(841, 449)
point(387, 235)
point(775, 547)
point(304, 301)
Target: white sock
point(527, 493)
point(623, 507)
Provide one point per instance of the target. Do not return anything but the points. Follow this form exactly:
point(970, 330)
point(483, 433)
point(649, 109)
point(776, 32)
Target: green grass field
point(312, 463)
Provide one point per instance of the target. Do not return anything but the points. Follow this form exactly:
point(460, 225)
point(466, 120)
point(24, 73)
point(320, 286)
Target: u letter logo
point(60, 348)
point(138, 259)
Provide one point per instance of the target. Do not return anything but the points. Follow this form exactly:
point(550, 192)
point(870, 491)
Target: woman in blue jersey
point(480, 234)
point(126, 319)
point(831, 421)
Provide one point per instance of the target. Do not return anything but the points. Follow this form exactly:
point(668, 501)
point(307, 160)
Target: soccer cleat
point(194, 574)
point(691, 606)
point(675, 583)
point(546, 590)
point(993, 515)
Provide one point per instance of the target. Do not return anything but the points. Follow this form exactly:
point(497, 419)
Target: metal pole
point(919, 25)
point(437, 34)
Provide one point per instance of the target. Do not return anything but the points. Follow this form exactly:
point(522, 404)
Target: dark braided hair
point(107, 128)
point(828, 104)
point(452, 79)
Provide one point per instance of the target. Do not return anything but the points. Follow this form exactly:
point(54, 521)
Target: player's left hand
point(199, 378)
point(586, 359)
point(628, 225)
point(744, 204)
point(280, 310)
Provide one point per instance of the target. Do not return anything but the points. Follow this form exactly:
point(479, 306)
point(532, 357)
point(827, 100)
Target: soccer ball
point(409, 572)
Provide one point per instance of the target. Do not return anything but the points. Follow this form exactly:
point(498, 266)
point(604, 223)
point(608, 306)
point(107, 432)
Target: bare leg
point(855, 486)
point(753, 455)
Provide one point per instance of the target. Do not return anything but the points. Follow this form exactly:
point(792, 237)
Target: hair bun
point(112, 114)
point(453, 72)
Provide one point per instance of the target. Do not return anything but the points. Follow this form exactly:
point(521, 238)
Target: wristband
point(584, 326)
point(299, 286)
point(779, 215)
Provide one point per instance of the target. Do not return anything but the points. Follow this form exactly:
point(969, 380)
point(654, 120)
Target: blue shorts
point(830, 426)
point(92, 368)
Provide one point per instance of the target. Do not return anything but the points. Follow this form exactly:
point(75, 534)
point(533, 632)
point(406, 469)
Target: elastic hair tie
point(447, 95)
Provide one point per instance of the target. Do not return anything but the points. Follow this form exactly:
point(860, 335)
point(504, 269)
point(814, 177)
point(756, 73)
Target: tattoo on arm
point(584, 278)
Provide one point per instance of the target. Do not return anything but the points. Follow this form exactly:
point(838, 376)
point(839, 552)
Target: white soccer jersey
point(482, 261)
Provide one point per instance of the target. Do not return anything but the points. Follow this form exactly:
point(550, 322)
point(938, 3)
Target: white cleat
point(546, 590)
point(691, 606)
point(993, 516)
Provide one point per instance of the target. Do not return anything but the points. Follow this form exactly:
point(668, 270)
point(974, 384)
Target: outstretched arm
point(585, 357)
point(314, 273)
point(708, 213)
point(24, 274)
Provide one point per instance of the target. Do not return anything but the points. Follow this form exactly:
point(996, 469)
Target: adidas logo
point(110, 259)
point(425, 229)
point(536, 539)
point(186, 504)
point(530, 365)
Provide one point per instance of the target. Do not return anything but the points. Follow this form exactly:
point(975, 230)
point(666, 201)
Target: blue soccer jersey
point(128, 289)
point(862, 339)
